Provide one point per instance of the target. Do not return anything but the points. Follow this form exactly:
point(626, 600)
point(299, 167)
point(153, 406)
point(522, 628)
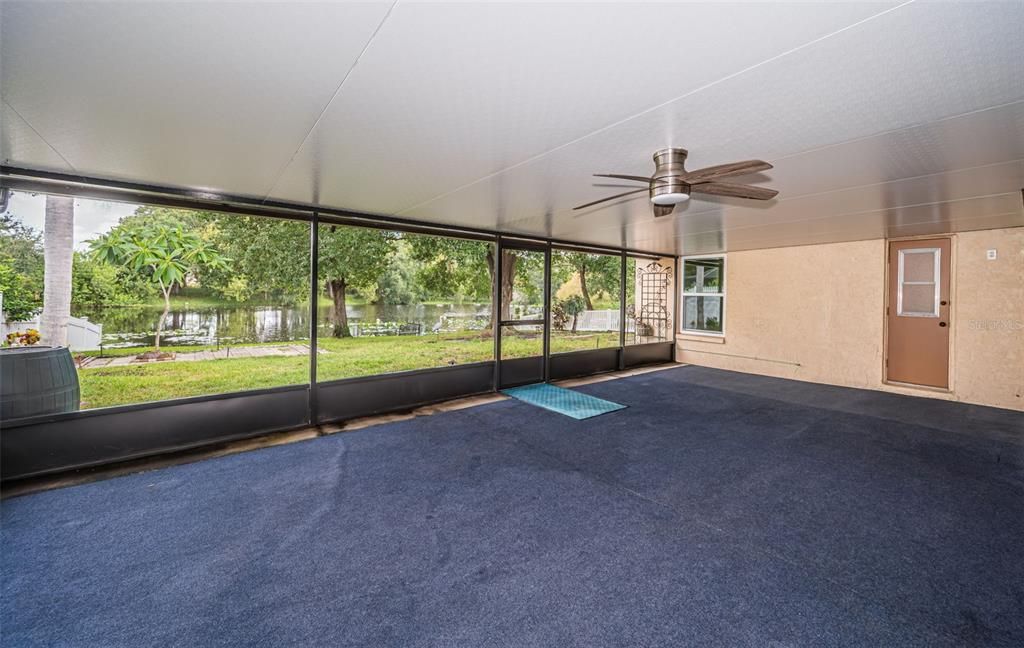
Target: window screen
point(918, 289)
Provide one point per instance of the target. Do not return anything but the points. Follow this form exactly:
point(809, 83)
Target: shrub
point(564, 309)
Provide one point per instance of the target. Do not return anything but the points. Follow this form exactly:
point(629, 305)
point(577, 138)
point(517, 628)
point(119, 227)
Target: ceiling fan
point(671, 184)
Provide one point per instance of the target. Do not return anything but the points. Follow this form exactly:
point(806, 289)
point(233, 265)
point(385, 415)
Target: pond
point(239, 324)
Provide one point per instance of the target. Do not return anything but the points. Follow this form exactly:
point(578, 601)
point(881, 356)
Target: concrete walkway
point(191, 356)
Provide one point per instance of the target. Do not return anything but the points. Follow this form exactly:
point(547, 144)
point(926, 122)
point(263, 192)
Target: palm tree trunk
point(58, 252)
point(163, 316)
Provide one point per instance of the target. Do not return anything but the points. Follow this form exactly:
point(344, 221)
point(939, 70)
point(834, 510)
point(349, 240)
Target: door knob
point(942, 323)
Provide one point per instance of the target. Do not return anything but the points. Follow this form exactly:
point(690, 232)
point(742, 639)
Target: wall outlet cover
point(990, 255)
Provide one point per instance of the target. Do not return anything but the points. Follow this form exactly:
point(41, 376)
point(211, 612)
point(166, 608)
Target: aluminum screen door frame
point(512, 372)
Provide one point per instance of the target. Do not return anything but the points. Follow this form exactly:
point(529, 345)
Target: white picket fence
point(601, 320)
point(83, 335)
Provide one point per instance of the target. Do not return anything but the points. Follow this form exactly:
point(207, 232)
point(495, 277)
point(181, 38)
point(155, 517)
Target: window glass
point(918, 294)
point(918, 300)
point(703, 295)
point(393, 301)
point(156, 303)
point(918, 266)
point(702, 313)
point(703, 276)
point(585, 300)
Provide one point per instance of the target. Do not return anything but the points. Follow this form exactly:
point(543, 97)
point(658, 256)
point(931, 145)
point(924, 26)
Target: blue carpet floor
point(719, 509)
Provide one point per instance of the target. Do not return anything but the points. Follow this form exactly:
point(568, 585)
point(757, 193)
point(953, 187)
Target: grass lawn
point(562, 341)
point(118, 352)
point(340, 358)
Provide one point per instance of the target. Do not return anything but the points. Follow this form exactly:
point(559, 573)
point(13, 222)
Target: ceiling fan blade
point(622, 177)
point(591, 204)
point(662, 210)
point(734, 190)
point(723, 170)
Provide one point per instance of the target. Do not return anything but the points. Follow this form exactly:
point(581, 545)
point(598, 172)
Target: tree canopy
point(167, 255)
point(161, 250)
point(21, 269)
point(597, 273)
point(453, 267)
point(351, 258)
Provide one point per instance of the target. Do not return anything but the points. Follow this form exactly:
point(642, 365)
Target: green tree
point(165, 255)
point(170, 217)
point(274, 256)
point(470, 265)
point(197, 222)
point(94, 283)
point(21, 269)
point(269, 257)
point(448, 267)
point(351, 258)
point(572, 307)
point(399, 282)
point(597, 273)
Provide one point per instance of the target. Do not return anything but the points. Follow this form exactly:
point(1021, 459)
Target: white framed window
point(918, 282)
point(703, 311)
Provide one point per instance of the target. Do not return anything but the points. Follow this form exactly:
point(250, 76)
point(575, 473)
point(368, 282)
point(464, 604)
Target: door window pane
point(918, 283)
point(918, 300)
point(919, 266)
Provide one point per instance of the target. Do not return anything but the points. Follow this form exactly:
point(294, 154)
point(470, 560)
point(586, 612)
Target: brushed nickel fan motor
point(667, 187)
point(672, 184)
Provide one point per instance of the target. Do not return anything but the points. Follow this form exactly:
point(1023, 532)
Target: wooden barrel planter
point(37, 380)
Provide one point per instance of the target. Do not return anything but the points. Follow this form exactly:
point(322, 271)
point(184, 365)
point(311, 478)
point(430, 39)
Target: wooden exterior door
point(918, 312)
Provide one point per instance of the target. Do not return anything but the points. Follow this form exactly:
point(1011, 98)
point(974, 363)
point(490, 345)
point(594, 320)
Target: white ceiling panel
point(861, 83)
point(956, 216)
point(879, 118)
point(450, 93)
point(19, 141)
point(979, 138)
point(205, 95)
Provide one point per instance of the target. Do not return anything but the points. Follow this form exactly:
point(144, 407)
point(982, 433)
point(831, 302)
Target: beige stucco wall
point(988, 339)
point(816, 313)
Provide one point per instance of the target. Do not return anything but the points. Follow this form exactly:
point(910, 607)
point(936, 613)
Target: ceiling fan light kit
point(667, 187)
point(671, 184)
point(671, 198)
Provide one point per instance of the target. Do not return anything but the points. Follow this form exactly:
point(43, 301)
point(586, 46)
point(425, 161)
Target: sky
point(92, 217)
